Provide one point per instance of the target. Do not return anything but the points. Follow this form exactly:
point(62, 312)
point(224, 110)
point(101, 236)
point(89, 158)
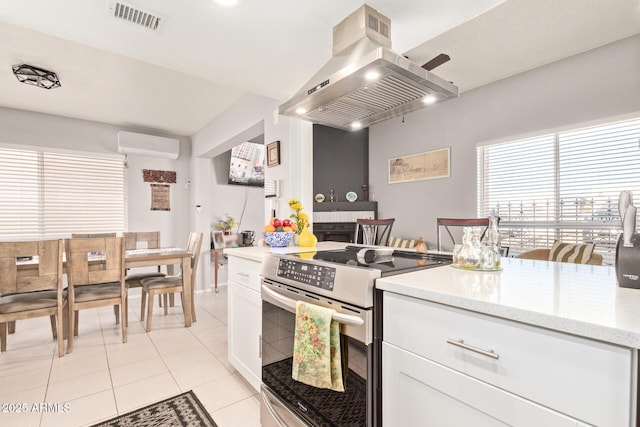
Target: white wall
point(242, 121)
point(45, 130)
point(601, 83)
point(173, 225)
point(249, 115)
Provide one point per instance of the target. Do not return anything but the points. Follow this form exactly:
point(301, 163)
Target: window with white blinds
point(563, 186)
point(52, 195)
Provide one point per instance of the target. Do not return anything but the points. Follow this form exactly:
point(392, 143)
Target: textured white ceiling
point(206, 56)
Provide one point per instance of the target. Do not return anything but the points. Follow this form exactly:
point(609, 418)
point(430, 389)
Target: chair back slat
point(25, 277)
point(95, 260)
point(36, 283)
point(374, 231)
point(458, 222)
point(48, 254)
point(134, 239)
point(91, 235)
point(103, 276)
point(77, 267)
point(8, 275)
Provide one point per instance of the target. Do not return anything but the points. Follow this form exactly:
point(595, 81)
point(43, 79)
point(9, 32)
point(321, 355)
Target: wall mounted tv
point(247, 164)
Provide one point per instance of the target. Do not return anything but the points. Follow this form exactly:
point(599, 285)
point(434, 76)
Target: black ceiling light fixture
point(35, 76)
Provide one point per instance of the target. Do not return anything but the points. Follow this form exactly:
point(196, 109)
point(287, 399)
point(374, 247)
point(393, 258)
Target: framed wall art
point(221, 240)
point(428, 165)
point(160, 197)
point(273, 153)
point(217, 237)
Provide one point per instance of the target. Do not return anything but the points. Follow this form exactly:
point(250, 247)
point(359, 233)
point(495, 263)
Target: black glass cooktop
point(395, 263)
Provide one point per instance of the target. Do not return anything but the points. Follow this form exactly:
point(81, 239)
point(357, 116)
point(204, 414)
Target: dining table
point(135, 258)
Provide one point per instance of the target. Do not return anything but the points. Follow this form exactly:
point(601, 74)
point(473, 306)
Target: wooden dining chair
point(138, 240)
point(141, 240)
point(32, 288)
point(458, 222)
point(172, 284)
point(95, 272)
point(374, 231)
point(116, 309)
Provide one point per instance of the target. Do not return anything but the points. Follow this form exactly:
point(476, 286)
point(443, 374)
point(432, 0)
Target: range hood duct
point(365, 82)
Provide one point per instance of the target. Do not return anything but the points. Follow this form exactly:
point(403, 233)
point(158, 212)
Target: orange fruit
point(294, 226)
point(288, 229)
point(269, 228)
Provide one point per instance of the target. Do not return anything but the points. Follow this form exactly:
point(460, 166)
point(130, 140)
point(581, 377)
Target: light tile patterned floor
point(103, 377)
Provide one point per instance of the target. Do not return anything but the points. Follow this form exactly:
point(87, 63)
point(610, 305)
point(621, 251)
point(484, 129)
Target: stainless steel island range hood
point(365, 82)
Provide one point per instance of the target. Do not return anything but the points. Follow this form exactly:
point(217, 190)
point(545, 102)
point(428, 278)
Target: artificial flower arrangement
point(225, 222)
point(299, 217)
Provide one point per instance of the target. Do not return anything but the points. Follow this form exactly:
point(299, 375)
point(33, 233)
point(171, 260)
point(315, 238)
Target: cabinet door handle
point(460, 343)
point(240, 273)
point(260, 346)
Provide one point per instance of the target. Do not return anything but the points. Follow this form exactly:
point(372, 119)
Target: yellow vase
point(307, 239)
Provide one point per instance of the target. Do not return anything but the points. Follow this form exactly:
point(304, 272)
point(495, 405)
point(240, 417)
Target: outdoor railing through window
point(522, 232)
point(561, 186)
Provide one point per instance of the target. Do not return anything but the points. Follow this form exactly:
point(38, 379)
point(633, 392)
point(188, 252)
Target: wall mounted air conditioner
point(148, 145)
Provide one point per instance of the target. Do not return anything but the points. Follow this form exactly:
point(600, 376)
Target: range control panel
point(310, 274)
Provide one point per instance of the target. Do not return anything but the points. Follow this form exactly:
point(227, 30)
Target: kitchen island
point(539, 343)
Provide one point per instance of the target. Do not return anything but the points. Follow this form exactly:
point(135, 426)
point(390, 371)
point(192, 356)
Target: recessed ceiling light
point(300, 111)
point(356, 125)
point(429, 99)
point(372, 75)
point(227, 3)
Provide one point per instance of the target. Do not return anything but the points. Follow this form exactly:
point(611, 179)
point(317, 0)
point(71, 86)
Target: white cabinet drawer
point(419, 392)
point(586, 379)
point(245, 272)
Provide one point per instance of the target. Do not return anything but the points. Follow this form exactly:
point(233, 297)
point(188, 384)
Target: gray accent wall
point(592, 86)
point(340, 161)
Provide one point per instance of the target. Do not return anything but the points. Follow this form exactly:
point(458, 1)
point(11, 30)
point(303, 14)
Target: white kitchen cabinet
point(418, 391)
point(448, 366)
point(244, 318)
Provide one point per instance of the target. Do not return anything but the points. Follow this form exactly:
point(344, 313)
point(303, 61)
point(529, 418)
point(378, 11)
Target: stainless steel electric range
point(343, 280)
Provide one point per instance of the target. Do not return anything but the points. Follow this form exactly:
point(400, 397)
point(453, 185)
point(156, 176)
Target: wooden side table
point(216, 259)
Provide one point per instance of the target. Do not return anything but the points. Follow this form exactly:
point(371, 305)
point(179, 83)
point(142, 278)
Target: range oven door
point(286, 402)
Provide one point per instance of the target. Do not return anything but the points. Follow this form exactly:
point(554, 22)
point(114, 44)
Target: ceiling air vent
point(134, 15)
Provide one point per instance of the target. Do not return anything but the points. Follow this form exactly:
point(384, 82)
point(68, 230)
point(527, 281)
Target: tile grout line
point(106, 354)
point(211, 305)
point(46, 390)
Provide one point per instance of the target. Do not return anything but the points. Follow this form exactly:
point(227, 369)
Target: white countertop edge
point(416, 285)
point(549, 321)
point(255, 253)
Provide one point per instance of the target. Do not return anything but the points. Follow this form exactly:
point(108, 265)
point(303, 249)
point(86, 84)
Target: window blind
point(52, 195)
point(562, 186)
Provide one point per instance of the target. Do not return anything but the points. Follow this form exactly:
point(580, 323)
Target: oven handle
point(272, 411)
point(288, 302)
